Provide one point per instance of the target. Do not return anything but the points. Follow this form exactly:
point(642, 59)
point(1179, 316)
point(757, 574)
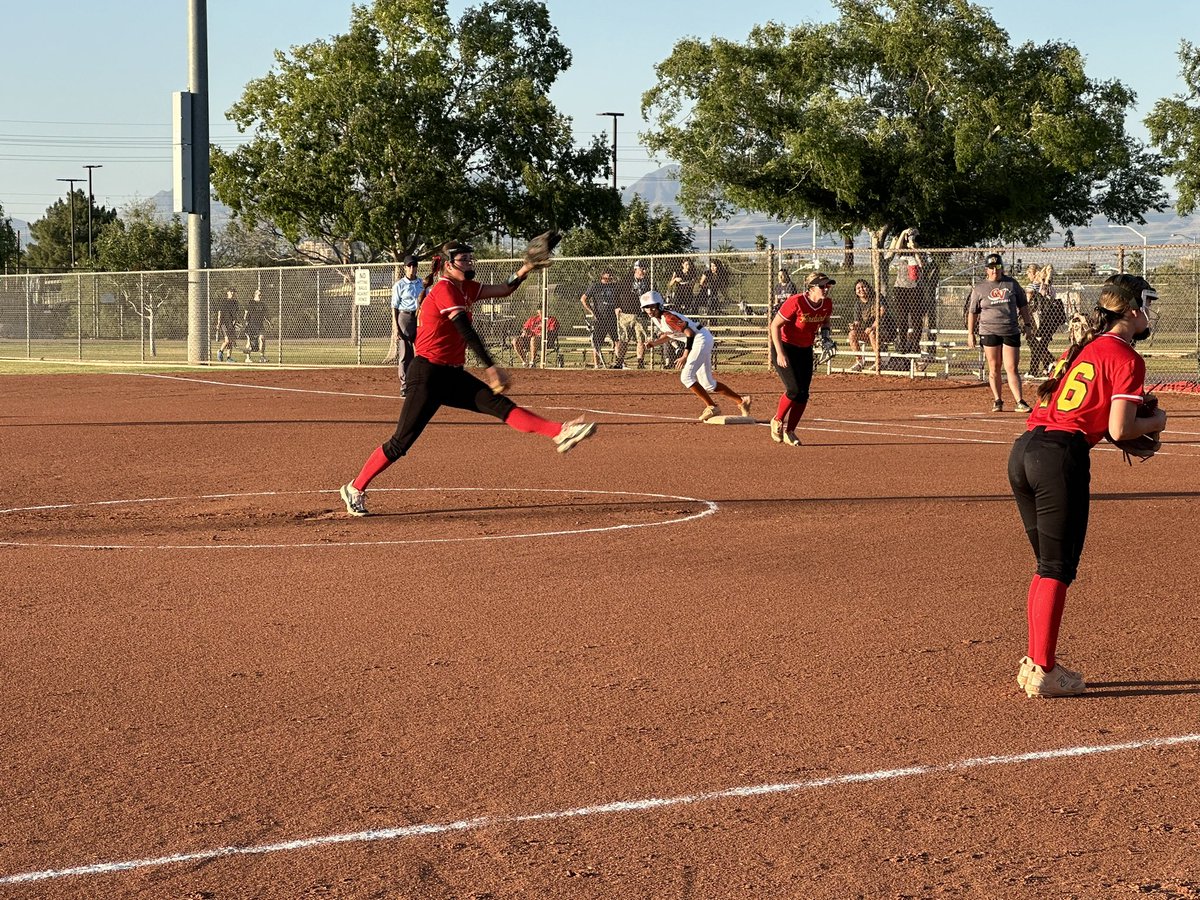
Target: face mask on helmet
point(466, 255)
point(1145, 304)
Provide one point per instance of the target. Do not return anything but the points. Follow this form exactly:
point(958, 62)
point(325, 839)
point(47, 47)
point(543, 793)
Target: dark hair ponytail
point(436, 266)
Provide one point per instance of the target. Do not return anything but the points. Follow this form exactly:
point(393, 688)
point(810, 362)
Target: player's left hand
point(497, 379)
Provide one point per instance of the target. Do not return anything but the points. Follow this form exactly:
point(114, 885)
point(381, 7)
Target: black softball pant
point(1050, 474)
point(797, 377)
point(429, 387)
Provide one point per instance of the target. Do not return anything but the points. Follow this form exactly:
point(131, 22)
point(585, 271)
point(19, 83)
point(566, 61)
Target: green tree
point(705, 202)
point(638, 230)
point(1174, 126)
point(140, 240)
point(8, 243)
point(51, 236)
point(904, 112)
point(239, 246)
point(411, 129)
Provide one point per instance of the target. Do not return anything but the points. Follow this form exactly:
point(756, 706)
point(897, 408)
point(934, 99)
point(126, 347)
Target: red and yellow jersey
point(1107, 369)
point(437, 338)
point(804, 319)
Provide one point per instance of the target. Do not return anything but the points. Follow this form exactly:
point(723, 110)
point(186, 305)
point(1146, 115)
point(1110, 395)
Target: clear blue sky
point(92, 82)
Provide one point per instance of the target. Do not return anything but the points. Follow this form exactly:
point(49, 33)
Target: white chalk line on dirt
point(957, 434)
point(710, 507)
point(621, 806)
point(255, 387)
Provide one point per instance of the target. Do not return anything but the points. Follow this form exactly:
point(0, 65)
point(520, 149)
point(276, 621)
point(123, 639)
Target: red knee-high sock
point(794, 415)
point(531, 423)
point(1033, 586)
point(375, 464)
point(1048, 605)
point(781, 413)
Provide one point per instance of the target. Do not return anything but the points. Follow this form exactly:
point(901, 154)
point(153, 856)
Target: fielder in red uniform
point(437, 378)
point(792, 332)
point(1096, 390)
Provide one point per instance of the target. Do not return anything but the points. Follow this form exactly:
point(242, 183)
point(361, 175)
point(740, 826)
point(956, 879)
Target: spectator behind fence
point(630, 327)
point(681, 287)
point(866, 326)
point(254, 326)
point(406, 295)
point(1049, 316)
point(912, 308)
point(600, 302)
point(227, 316)
point(714, 288)
point(529, 341)
point(784, 288)
point(995, 305)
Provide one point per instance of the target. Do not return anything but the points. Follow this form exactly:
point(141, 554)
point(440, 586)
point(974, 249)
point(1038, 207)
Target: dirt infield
point(679, 661)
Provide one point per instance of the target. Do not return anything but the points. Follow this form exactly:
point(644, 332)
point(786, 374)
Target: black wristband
point(825, 336)
point(688, 345)
point(515, 280)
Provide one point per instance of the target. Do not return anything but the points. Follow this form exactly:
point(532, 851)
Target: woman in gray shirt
point(995, 305)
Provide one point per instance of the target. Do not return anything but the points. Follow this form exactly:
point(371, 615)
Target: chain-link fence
point(341, 315)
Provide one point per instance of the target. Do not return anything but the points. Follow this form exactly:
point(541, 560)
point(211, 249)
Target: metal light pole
point(782, 236)
point(615, 116)
point(1142, 236)
point(71, 197)
point(90, 204)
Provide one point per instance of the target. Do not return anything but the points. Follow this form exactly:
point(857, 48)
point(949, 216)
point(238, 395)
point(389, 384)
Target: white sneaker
point(709, 412)
point(574, 432)
point(744, 405)
point(1058, 682)
point(355, 500)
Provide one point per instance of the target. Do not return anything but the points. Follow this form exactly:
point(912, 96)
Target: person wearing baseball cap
point(697, 368)
point(406, 295)
point(793, 331)
point(994, 305)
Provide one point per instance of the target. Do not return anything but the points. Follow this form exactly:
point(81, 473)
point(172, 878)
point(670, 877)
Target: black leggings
point(797, 377)
point(1050, 475)
point(430, 387)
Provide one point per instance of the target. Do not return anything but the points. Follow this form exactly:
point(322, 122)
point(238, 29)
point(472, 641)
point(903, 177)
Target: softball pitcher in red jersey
point(1095, 391)
point(792, 332)
point(437, 378)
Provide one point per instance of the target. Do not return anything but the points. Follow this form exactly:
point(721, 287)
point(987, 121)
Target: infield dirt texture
point(679, 661)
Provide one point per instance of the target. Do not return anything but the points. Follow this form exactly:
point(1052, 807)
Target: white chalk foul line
point(620, 806)
point(710, 507)
point(254, 387)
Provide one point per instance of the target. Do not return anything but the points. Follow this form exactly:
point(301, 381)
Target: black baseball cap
point(994, 261)
point(410, 260)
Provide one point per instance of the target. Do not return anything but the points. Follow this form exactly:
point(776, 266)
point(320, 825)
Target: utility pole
point(90, 205)
point(71, 197)
point(615, 116)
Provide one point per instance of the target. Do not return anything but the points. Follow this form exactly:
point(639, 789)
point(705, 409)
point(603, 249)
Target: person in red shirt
point(437, 378)
point(792, 333)
point(525, 344)
point(1095, 392)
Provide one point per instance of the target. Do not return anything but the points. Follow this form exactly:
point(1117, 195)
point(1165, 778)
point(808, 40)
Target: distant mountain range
point(661, 188)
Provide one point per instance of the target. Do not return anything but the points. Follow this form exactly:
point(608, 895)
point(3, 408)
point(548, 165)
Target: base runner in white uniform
point(697, 367)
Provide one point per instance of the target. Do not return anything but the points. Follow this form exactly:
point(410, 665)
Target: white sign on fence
point(362, 287)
